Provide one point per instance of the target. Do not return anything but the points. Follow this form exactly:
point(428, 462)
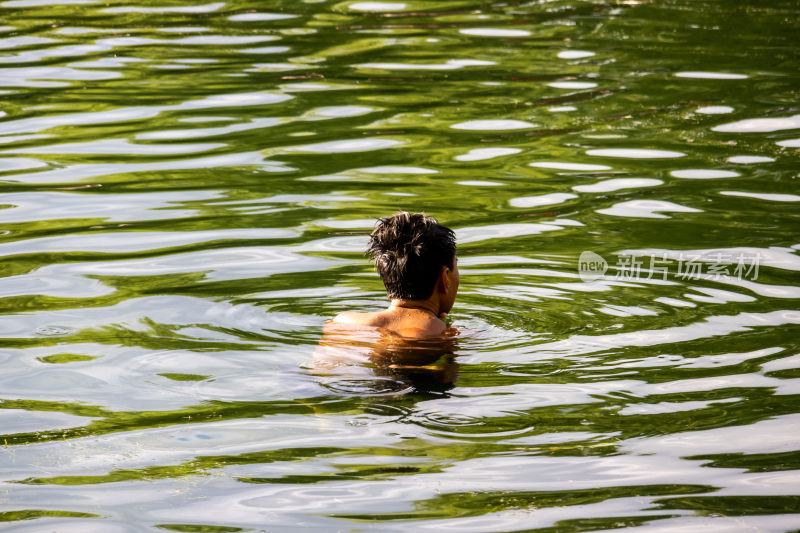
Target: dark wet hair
point(409, 251)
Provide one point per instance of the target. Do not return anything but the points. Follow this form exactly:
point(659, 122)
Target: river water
point(185, 194)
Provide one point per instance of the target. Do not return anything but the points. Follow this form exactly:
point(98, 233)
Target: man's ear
point(443, 281)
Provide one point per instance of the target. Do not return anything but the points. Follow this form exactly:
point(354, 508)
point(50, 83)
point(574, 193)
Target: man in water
point(416, 259)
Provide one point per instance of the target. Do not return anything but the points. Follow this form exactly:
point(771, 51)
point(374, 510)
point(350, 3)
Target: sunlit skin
point(410, 319)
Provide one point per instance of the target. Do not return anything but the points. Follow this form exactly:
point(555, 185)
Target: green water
point(185, 194)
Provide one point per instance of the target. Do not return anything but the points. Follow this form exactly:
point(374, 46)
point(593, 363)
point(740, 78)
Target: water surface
point(185, 194)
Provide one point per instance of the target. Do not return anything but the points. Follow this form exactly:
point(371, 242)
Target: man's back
point(411, 323)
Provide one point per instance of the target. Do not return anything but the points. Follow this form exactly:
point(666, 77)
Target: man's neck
point(429, 306)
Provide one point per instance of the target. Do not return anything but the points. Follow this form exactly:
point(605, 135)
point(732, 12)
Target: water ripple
point(186, 195)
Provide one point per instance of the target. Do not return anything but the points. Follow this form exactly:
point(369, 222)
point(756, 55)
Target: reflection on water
point(423, 365)
point(185, 194)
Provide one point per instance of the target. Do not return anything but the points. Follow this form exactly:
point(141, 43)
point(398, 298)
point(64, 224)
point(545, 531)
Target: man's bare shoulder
point(349, 323)
point(359, 319)
point(390, 322)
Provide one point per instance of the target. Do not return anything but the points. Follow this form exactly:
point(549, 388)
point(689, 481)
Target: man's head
point(410, 251)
